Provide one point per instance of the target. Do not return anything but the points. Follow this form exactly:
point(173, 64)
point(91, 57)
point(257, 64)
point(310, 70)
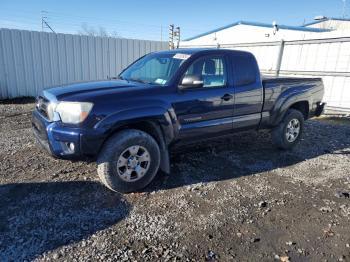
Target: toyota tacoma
point(164, 100)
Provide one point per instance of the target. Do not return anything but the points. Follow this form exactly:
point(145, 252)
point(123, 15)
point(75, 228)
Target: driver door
point(206, 111)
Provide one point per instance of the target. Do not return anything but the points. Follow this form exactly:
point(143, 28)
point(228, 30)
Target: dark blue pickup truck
point(165, 100)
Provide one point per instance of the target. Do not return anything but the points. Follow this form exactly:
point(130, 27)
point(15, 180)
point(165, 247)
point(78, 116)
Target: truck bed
point(270, 78)
point(276, 88)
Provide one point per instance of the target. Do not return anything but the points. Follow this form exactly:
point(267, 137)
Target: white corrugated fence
point(328, 58)
point(31, 61)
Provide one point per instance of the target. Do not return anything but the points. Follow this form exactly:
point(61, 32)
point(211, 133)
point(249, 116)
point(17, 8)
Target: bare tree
point(115, 34)
point(101, 31)
point(87, 30)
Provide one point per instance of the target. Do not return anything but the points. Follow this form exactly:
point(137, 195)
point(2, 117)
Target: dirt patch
point(238, 199)
point(343, 120)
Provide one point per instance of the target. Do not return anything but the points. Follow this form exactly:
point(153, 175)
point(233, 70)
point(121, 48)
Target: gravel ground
point(234, 200)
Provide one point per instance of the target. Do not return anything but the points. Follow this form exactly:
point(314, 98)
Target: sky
point(149, 19)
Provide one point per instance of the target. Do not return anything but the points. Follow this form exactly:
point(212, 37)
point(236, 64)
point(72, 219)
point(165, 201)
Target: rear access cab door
point(248, 90)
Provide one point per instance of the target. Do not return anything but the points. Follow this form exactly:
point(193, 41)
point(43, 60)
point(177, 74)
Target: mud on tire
point(281, 135)
point(116, 148)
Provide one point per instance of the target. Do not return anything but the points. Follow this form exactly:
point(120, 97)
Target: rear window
point(245, 69)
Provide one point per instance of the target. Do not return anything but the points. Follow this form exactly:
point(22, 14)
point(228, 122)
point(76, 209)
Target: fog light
point(71, 146)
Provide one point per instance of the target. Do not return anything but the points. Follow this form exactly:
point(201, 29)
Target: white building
point(317, 49)
point(251, 32)
point(330, 23)
point(247, 32)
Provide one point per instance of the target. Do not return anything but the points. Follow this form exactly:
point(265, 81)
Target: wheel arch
point(295, 102)
point(303, 107)
point(153, 127)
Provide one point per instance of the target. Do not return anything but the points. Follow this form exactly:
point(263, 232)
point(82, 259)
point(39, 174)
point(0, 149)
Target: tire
point(121, 169)
point(281, 135)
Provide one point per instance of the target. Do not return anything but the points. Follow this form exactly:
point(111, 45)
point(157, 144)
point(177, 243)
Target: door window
point(211, 70)
point(245, 69)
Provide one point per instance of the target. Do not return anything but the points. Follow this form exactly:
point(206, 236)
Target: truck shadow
point(39, 217)
point(250, 153)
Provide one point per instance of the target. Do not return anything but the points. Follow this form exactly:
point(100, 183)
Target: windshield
point(154, 68)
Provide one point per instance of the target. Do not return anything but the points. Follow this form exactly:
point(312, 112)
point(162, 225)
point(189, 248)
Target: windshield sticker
point(181, 56)
point(160, 81)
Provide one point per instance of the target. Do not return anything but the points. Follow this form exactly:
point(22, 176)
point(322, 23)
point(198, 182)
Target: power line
point(73, 16)
point(74, 28)
point(56, 20)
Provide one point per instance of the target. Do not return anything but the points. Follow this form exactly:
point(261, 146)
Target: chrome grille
point(41, 105)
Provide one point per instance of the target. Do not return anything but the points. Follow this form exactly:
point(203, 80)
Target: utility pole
point(43, 16)
point(171, 36)
point(174, 36)
point(161, 33)
point(44, 23)
point(177, 35)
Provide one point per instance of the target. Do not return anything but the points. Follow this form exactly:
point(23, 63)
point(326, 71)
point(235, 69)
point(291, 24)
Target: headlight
point(73, 112)
point(51, 111)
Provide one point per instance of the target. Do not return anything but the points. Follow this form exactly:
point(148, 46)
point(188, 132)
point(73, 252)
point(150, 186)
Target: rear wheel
point(288, 133)
point(128, 161)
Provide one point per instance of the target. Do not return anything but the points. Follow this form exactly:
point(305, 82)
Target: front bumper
point(57, 139)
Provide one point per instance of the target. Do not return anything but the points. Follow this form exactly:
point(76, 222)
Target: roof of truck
point(192, 51)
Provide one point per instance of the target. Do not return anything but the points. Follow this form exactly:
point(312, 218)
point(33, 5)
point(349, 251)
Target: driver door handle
point(227, 97)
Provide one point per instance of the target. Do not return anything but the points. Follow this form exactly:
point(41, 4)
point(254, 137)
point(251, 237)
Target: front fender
point(159, 117)
point(122, 118)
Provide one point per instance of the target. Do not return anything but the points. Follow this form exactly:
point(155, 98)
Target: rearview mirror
point(191, 81)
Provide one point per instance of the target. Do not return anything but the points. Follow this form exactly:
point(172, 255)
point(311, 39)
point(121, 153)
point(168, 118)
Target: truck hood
point(60, 92)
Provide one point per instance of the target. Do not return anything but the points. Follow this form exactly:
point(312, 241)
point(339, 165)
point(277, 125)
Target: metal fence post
point(279, 58)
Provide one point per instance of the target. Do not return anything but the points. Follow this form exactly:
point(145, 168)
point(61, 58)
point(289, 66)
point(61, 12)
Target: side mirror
point(191, 81)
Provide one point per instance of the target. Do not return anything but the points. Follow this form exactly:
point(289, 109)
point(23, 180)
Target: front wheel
point(288, 133)
point(128, 161)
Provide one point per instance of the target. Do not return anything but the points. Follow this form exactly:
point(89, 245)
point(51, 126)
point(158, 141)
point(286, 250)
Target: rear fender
point(285, 101)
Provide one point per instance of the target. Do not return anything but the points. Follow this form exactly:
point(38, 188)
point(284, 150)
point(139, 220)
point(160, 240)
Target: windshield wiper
point(138, 80)
point(117, 77)
point(130, 79)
